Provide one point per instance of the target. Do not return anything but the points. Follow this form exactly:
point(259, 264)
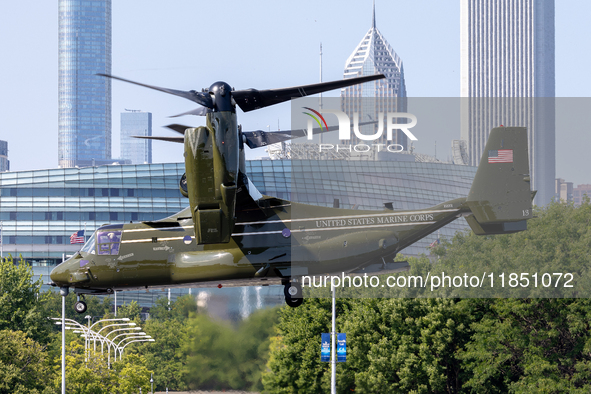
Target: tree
point(132, 375)
point(164, 356)
point(219, 356)
point(23, 364)
point(179, 309)
point(294, 361)
point(19, 306)
point(131, 310)
point(393, 345)
point(530, 345)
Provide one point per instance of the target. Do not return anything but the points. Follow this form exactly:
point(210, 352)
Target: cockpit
point(105, 242)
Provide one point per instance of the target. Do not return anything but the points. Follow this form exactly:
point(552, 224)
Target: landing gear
point(293, 294)
point(80, 306)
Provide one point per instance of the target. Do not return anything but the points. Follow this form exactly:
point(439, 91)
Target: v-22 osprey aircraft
point(230, 234)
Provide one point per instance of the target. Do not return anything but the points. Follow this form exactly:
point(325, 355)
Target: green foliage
point(221, 357)
point(557, 241)
point(91, 374)
point(393, 346)
point(19, 306)
point(23, 364)
point(180, 309)
point(530, 345)
point(131, 310)
point(132, 374)
point(164, 356)
point(294, 363)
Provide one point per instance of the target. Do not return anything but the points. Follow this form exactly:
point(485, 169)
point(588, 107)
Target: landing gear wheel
point(294, 302)
point(80, 306)
point(293, 294)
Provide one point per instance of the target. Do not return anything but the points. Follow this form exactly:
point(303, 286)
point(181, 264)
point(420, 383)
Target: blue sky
point(187, 44)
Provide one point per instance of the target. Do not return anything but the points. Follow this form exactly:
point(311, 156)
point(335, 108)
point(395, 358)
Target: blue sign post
point(325, 348)
point(341, 348)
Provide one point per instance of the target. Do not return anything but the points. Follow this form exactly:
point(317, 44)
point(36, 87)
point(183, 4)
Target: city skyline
point(150, 45)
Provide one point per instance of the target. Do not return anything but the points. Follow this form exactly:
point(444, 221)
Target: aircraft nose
point(60, 275)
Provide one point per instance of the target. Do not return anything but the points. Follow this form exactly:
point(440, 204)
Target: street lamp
point(152, 383)
point(144, 337)
point(111, 325)
point(136, 340)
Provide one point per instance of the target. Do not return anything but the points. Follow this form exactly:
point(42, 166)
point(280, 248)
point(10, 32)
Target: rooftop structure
point(372, 56)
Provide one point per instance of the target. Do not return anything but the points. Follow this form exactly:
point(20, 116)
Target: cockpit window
point(108, 242)
point(89, 246)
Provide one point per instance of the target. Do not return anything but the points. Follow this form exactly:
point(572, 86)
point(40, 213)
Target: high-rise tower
point(507, 72)
point(372, 56)
point(136, 123)
point(84, 135)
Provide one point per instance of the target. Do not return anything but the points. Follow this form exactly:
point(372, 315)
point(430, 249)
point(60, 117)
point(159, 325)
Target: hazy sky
point(185, 44)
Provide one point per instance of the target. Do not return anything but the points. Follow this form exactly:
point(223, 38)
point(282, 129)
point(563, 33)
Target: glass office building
point(41, 209)
point(84, 99)
point(136, 150)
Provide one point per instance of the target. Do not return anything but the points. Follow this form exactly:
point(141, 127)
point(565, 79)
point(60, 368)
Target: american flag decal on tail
point(500, 156)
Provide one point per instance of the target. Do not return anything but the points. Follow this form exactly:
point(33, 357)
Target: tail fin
point(501, 198)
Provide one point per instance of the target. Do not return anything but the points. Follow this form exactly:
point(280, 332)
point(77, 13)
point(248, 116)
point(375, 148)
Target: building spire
point(373, 19)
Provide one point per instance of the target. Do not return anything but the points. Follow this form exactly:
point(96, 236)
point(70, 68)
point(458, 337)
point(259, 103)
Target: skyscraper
point(4, 162)
point(136, 123)
point(507, 72)
point(84, 135)
point(372, 56)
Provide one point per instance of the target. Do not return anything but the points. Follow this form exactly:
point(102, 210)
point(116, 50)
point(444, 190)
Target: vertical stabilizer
point(501, 198)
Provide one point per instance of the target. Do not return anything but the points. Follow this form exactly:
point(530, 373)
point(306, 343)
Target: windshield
point(89, 245)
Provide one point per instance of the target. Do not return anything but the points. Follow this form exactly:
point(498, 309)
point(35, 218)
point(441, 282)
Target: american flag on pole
point(77, 237)
point(434, 243)
point(500, 156)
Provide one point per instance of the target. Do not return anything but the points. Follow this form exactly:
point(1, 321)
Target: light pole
point(112, 325)
point(152, 383)
point(89, 335)
point(136, 340)
point(64, 293)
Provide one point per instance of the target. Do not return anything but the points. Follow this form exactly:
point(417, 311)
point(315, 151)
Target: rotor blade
point(251, 99)
point(259, 138)
point(201, 111)
point(167, 139)
point(179, 128)
point(197, 97)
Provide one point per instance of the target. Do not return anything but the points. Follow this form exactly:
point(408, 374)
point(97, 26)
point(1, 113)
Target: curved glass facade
point(41, 209)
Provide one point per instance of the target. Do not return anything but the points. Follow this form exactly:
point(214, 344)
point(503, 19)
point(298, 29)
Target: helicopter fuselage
point(294, 240)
